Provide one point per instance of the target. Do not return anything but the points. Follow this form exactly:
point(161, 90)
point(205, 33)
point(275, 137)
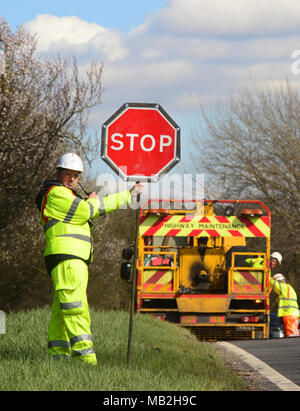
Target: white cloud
point(60, 33)
point(164, 46)
point(191, 100)
point(227, 17)
point(194, 101)
point(151, 54)
point(154, 74)
point(188, 54)
point(275, 48)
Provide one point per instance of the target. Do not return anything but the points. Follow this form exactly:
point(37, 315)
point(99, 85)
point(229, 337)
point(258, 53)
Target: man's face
point(274, 263)
point(69, 178)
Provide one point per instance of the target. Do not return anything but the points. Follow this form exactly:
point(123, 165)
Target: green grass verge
point(163, 357)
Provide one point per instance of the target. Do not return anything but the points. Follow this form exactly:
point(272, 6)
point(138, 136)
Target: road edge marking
point(261, 367)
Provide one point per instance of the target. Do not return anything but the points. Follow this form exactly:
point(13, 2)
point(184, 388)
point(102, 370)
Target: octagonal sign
point(140, 142)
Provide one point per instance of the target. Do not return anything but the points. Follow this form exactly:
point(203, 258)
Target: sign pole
point(134, 279)
point(140, 141)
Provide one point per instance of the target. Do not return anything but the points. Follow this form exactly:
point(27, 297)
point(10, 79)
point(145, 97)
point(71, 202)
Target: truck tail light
point(250, 319)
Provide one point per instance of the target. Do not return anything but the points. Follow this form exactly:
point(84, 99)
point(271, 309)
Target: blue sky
point(121, 14)
point(182, 54)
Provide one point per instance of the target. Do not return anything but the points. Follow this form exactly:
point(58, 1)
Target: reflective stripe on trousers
point(69, 348)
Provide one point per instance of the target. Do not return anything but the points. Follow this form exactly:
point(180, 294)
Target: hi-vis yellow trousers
point(69, 329)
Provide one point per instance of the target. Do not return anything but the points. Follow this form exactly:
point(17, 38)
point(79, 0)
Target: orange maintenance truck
point(193, 267)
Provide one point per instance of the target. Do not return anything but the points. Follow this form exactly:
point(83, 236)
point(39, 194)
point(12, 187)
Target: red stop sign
point(140, 142)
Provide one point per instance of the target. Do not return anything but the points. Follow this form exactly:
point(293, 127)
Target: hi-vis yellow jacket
point(66, 219)
point(287, 304)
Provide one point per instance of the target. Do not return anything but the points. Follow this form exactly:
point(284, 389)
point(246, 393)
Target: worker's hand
point(138, 188)
point(93, 195)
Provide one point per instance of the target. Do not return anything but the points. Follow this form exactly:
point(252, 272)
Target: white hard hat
point(279, 277)
point(277, 256)
point(71, 161)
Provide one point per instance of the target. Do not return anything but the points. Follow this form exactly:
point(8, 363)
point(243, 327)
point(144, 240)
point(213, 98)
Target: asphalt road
point(283, 355)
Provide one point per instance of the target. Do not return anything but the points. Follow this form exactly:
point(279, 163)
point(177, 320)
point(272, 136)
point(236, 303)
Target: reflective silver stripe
point(69, 306)
point(72, 210)
point(58, 343)
point(91, 210)
point(82, 337)
point(77, 236)
point(283, 298)
point(83, 352)
point(50, 224)
point(287, 306)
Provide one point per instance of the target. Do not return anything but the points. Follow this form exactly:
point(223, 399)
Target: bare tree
point(250, 148)
point(44, 106)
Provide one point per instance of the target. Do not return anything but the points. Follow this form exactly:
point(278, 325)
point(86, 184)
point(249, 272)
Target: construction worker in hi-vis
point(258, 262)
point(288, 309)
point(66, 220)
